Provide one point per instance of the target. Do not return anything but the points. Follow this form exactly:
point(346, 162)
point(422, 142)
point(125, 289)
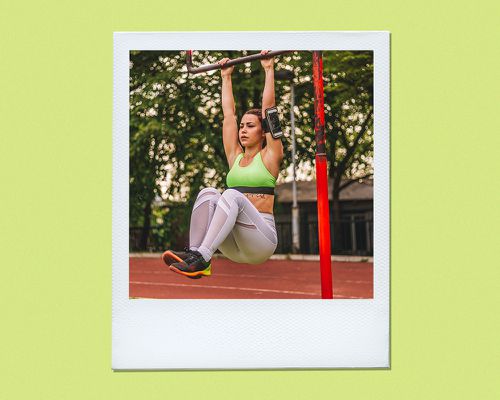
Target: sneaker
point(194, 266)
point(169, 257)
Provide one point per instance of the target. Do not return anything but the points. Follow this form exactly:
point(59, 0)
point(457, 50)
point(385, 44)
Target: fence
point(356, 238)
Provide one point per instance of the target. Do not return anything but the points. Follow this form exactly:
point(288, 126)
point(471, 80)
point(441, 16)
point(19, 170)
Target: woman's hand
point(267, 63)
point(225, 71)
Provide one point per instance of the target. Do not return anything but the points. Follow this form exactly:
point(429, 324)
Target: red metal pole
point(322, 179)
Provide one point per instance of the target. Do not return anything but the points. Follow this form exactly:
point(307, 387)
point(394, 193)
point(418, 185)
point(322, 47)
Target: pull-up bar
point(321, 159)
point(241, 60)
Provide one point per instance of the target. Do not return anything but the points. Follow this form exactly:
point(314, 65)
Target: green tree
point(348, 90)
point(350, 123)
point(175, 132)
point(175, 125)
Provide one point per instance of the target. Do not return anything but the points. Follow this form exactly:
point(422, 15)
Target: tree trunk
point(257, 92)
point(146, 227)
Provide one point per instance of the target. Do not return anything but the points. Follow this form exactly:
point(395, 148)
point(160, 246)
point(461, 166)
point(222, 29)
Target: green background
point(55, 222)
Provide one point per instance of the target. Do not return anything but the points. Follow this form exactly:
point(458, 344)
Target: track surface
point(275, 279)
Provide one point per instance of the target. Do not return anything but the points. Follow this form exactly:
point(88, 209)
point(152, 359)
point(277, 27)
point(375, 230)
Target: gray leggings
point(231, 223)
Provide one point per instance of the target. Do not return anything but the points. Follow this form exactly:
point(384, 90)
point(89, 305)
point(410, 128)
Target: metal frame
point(321, 159)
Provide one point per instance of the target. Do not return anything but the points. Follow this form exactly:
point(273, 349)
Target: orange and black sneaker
point(194, 266)
point(170, 256)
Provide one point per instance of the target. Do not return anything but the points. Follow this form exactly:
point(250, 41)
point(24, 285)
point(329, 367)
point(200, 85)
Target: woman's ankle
point(205, 253)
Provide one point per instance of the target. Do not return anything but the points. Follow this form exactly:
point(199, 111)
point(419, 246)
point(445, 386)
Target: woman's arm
point(268, 94)
point(274, 152)
point(228, 107)
point(229, 125)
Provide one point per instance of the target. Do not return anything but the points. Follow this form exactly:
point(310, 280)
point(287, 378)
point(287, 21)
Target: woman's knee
point(230, 193)
point(208, 192)
point(233, 195)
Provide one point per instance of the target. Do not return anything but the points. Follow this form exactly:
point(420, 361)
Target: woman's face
point(250, 132)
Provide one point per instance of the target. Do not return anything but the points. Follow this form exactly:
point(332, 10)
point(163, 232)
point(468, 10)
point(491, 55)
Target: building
point(356, 221)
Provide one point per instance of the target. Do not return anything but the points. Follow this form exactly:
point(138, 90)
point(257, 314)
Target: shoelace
point(188, 251)
point(191, 257)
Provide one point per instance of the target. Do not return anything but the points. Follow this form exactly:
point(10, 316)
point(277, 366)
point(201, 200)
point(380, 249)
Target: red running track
point(275, 279)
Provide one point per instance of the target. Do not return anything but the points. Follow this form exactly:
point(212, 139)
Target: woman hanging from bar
point(239, 222)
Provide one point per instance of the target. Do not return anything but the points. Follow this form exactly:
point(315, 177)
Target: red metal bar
point(322, 179)
point(240, 60)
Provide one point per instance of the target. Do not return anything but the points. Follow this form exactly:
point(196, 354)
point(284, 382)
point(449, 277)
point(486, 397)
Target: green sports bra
point(254, 178)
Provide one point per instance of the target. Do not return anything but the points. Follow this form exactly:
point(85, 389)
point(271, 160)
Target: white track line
point(168, 272)
point(225, 287)
point(184, 298)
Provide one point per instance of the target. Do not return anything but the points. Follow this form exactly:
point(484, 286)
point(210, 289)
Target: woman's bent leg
point(201, 216)
point(239, 230)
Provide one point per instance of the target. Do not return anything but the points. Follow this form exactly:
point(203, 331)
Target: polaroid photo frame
point(152, 334)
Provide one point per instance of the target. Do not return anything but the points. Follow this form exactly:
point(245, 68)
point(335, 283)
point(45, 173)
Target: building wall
point(356, 225)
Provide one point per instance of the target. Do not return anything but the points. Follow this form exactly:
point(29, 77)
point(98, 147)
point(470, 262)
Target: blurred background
point(176, 145)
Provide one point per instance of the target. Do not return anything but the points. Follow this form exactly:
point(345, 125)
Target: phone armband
point(271, 123)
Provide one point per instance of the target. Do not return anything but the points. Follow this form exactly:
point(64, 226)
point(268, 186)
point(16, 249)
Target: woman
point(239, 222)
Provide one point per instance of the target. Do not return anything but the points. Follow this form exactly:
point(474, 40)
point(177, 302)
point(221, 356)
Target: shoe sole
point(193, 275)
point(169, 258)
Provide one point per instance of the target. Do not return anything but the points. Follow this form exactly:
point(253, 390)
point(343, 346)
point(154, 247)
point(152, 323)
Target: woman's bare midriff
point(262, 202)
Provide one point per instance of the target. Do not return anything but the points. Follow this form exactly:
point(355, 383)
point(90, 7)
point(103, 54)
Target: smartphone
point(273, 119)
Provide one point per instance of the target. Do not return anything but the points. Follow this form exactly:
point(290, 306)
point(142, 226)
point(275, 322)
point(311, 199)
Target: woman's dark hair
point(258, 113)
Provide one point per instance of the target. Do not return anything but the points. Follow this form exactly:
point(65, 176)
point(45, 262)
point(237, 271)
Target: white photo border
point(250, 334)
